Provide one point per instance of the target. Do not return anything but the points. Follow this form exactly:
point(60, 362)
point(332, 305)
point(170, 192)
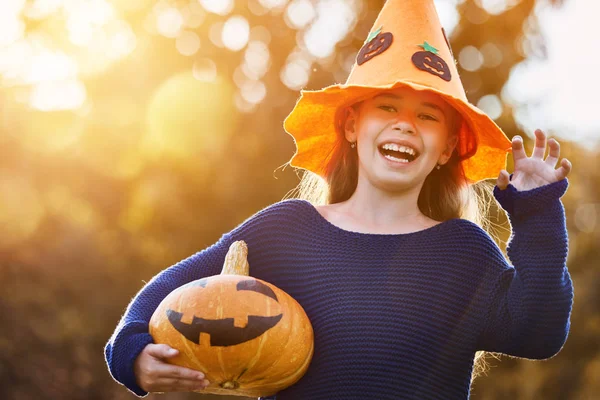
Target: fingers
point(503, 180)
point(175, 372)
point(518, 148)
point(553, 153)
point(158, 376)
point(161, 351)
point(563, 171)
point(540, 144)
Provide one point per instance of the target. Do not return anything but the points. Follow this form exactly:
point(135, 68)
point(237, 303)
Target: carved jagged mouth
point(222, 331)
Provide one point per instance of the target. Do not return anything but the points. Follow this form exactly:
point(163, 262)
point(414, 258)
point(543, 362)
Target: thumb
point(503, 179)
point(162, 351)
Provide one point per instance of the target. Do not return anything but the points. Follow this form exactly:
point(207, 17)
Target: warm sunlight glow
point(51, 132)
point(22, 210)
point(188, 118)
point(58, 95)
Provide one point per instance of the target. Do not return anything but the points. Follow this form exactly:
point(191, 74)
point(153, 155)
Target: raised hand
point(532, 172)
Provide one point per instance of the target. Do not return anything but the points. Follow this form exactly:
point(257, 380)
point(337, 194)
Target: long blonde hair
point(445, 193)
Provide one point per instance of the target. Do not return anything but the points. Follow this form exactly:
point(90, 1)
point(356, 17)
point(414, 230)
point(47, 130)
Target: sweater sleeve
point(132, 335)
point(529, 302)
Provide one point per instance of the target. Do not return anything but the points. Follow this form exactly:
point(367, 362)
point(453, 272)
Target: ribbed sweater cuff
point(123, 361)
point(520, 204)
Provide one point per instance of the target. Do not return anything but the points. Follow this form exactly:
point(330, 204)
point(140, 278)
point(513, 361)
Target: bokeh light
point(205, 69)
point(169, 22)
point(256, 8)
point(254, 91)
point(193, 15)
point(220, 7)
point(335, 18)
point(492, 55)
point(39, 9)
point(448, 14)
point(295, 74)
point(496, 7)
point(299, 13)
point(188, 43)
point(58, 95)
point(215, 34)
point(260, 33)
point(256, 60)
point(11, 26)
point(270, 4)
point(470, 58)
point(491, 105)
point(235, 33)
point(555, 90)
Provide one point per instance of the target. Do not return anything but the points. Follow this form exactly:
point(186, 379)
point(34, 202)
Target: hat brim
point(312, 126)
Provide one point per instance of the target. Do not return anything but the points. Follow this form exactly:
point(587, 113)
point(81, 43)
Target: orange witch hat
point(407, 46)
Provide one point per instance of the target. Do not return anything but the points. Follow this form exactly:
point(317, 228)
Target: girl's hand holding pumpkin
point(154, 374)
point(532, 172)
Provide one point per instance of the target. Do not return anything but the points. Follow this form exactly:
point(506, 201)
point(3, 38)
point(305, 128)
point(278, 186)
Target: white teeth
point(395, 147)
point(402, 160)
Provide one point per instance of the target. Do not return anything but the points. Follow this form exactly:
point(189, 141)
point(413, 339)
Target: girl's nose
point(404, 124)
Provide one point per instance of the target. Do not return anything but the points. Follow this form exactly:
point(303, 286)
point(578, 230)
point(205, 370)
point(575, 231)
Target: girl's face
point(400, 136)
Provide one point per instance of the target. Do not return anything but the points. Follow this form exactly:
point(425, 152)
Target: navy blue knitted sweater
point(395, 316)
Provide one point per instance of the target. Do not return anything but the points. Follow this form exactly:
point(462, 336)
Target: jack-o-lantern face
point(247, 336)
point(222, 331)
point(374, 47)
point(432, 63)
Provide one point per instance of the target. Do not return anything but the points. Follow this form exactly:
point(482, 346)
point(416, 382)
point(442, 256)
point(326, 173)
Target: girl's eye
point(428, 117)
point(388, 108)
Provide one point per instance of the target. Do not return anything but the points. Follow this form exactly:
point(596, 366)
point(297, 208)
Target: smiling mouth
point(397, 156)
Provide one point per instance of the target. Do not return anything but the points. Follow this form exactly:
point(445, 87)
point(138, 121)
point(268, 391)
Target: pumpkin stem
point(236, 262)
point(230, 385)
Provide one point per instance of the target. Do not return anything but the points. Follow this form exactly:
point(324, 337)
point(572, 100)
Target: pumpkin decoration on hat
point(247, 336)
point(407, 46)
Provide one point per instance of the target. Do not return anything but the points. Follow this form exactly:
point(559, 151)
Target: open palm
point(532, 172)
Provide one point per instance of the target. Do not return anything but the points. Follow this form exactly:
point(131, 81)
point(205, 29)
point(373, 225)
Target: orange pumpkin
point(247, 336)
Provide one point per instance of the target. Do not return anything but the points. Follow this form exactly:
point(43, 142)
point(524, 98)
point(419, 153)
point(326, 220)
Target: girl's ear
point(350, 124)
point(450, 145)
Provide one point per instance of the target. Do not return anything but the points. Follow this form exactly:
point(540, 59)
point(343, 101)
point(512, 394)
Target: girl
point(403, 287)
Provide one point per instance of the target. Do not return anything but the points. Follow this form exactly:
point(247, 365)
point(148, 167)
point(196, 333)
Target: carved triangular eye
point(257, 286)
